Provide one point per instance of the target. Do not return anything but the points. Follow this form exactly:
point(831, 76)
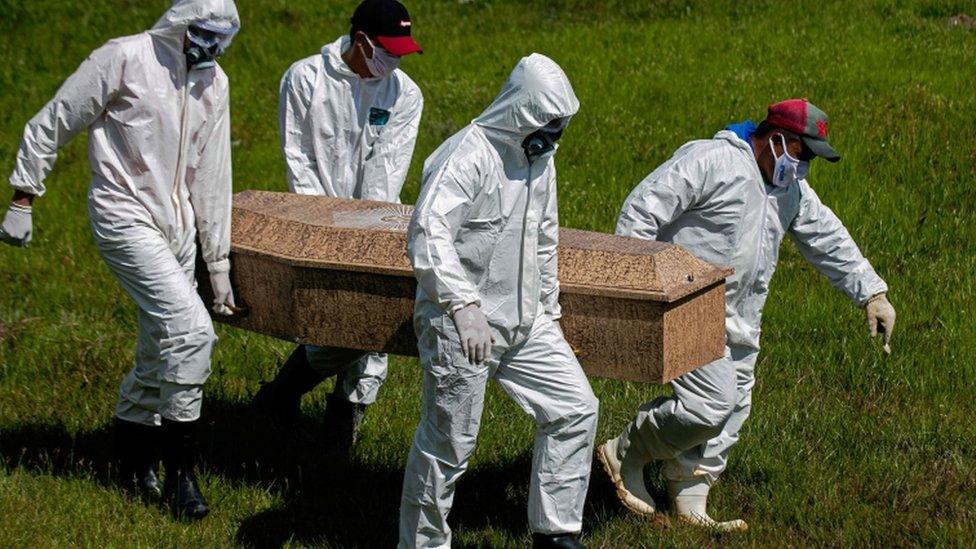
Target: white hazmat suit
point(347, 137)
point(710, 198)
point(159, 148)
point(485, 232)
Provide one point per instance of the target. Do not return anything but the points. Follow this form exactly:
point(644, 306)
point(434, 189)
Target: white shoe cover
point(689, 499)
point(628, 479)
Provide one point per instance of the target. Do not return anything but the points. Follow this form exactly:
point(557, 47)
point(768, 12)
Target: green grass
point(844, 447)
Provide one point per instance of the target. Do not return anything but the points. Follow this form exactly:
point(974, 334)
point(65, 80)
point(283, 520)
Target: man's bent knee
point(706, 420)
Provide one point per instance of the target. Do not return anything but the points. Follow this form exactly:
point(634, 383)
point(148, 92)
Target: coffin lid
point(342, 234)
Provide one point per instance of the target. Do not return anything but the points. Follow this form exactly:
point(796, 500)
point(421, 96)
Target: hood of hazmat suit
point(711, 199)
point(485, 228)
point(343, 135)
point(159, 144)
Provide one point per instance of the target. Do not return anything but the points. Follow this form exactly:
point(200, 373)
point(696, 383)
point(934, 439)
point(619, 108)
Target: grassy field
point(844, 448)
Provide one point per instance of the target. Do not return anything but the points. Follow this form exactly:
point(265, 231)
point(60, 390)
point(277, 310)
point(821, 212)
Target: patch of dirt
point(963, 20)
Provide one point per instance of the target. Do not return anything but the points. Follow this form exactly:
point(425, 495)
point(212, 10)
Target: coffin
point(335, 272)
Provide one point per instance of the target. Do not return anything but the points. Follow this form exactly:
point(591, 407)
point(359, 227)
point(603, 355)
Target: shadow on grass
point(326, 500)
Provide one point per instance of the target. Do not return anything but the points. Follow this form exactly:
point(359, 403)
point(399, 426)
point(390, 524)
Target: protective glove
point(472, 328)
point(881, 319)
point(223, 294)
point(17, 225)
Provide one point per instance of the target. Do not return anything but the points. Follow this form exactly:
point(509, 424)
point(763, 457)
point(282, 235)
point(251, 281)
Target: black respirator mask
point(204, 46)
point(544, 139)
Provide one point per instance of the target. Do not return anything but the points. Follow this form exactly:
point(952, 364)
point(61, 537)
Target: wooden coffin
point(335, 272)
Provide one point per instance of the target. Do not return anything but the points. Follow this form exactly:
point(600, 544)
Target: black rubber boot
point(182, 492)
point(341, 423)
point(556, 541)
point(137, 456)
point(280, 400)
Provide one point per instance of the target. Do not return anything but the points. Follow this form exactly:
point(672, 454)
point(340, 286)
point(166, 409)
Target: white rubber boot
point(689, 498)
point(628, 478)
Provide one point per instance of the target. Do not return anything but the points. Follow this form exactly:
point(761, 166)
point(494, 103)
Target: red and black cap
point(387, 22)
point(807, 121)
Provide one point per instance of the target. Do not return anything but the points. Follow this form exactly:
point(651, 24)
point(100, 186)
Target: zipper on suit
point(181, 159)
point(525, 222)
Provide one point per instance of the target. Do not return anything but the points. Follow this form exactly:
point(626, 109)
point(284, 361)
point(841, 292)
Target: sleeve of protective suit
point(211, 191)
point(662, 196)
point(78, 103)
point(437, 218)
point(825, 243)
point(548, 257)
point(386, 168)
point(295, 124)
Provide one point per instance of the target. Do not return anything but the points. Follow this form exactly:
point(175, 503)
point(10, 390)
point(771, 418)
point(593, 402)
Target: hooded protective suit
point(485, 231)
point(347, 137)
point(711, 199)
point(159, 149)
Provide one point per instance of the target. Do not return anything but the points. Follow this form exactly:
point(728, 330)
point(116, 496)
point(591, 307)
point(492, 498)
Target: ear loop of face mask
point(382, 63)
point(786, 169)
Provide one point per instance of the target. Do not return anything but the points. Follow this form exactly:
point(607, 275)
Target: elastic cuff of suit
point(19, 208)
point(457, 307)
point(222, 266)
point(18, 184)
point(875, 297)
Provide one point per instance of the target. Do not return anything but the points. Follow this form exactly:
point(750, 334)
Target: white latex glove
point(17, 226)
point(475, 335)
point(223, 293)
point(881, 319)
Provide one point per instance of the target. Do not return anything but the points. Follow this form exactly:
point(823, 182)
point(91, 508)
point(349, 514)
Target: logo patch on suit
point(378, 117)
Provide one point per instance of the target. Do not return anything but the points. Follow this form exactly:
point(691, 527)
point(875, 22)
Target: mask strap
point(372, 47)
point(786, 151)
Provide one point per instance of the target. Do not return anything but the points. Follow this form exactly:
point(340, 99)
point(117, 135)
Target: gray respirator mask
point(543, 140)
point(205, 43)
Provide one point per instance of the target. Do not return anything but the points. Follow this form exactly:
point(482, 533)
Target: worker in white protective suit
point(483, 245)
point(349, 120)
point(157, 107)
point(730, 200)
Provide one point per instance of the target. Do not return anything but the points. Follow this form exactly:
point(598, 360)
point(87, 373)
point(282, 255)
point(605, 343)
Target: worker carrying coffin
point(349, 120)
point(483, 242)
point(157, 105)
point(730, 200)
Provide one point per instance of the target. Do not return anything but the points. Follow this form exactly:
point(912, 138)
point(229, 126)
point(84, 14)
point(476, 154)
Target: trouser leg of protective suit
point(702, 407)
point(709, 459)
point(543, 376)
point(450, 416)
point(176, 335)
point(359, 374)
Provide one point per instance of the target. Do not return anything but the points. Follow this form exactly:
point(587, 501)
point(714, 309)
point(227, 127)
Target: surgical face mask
point(544, 139)
point(803, 169)
point(204, 46)
point(786, 170)
point(382, 63)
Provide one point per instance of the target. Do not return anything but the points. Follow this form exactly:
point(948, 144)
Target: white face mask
point(803, 169)
point(382, 63)
point(787, 170)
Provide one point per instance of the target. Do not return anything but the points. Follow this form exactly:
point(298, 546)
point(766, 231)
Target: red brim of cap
point(399, 45)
